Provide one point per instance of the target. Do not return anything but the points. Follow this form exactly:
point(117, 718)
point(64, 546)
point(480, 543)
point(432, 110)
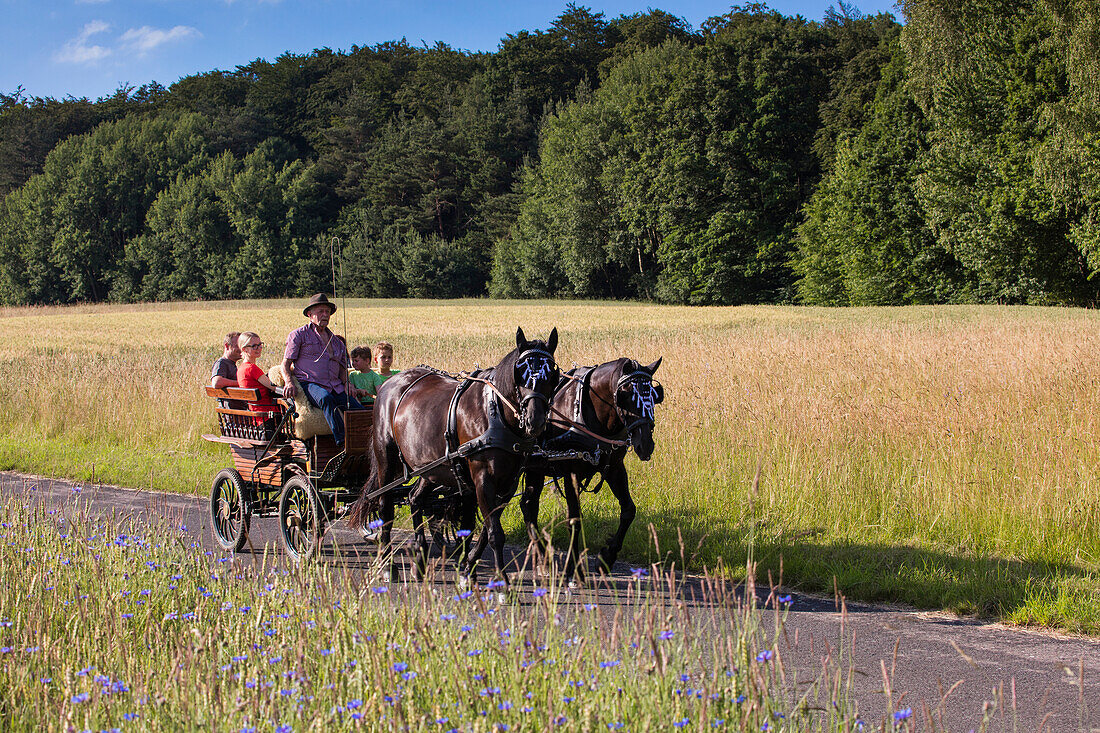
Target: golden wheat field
point(941, 456)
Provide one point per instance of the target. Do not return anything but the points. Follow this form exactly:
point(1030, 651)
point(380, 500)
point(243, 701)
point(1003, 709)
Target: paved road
point(944, 668)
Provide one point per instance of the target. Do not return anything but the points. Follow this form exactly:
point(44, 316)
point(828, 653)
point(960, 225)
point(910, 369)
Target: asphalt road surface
point(944, 668)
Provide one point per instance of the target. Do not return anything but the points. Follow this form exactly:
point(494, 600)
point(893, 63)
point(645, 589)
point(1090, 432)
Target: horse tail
point(364, 507)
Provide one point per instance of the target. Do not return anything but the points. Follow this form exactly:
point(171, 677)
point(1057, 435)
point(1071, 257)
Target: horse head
point(635, 396)
point(528, 376)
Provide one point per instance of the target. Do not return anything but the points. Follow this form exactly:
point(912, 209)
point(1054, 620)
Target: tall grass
point(117, 625)
point(942, 456)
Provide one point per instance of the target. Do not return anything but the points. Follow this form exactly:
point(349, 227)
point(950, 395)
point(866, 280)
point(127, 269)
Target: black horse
point(603, 411)
point(483, 428)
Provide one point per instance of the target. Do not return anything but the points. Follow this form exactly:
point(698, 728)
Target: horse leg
point(573, 570)
point(384, 541)
point(420, 564)
point(529, 504)
point(620, 487)
point(467, 567)
point(491, 508)
point(385, 456)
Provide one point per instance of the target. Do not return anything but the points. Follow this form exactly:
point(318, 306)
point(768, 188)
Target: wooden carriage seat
point(237, 423)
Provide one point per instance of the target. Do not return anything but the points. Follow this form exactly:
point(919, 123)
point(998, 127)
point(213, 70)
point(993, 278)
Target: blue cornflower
point(506, 705)
point(380, 589)
point(353, 704)
point(538, 592)
point(903, 714)
point(764, 656)
point(129, 716)
point(639, 572)
point(400, 667)
point(376, 524)
point(473, 653)
point(666, 635)
point(82, 697)
point(447, 617)
point(681, 723)
point(784, 599)
point(463, 533)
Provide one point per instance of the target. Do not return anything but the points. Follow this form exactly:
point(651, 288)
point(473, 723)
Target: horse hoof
point(576, 583)
point(464, 581)
point(504, 598)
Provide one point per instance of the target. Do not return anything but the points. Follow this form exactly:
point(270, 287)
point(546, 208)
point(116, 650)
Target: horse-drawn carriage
point(305, 482)
point(450, 446)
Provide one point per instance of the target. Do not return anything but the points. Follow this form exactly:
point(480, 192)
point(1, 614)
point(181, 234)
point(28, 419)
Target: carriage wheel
point(229, 517)
point(301, 519)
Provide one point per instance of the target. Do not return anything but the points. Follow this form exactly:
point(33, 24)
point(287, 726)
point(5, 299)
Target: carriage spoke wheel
point(301, 519)
point(229, 517)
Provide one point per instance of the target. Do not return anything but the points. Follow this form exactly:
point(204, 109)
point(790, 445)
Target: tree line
point(757, 159)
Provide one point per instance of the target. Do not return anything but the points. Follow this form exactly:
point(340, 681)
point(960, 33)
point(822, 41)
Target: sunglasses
point(253, 346)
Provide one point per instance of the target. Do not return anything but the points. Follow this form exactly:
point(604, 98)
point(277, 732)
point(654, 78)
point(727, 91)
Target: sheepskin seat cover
point(310, 421)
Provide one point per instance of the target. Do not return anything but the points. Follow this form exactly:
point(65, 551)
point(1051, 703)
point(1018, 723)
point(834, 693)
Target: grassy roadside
point(131, 627)
point(944, 457)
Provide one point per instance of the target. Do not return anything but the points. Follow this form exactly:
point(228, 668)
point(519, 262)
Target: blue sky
point(89, 47)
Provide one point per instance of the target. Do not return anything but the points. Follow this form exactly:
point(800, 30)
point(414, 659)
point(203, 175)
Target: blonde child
point(383, 359)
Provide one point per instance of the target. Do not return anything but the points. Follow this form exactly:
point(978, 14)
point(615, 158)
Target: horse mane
point(504, 373)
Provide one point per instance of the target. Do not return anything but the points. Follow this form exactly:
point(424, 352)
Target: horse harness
point(588, 445)
point(498, 435)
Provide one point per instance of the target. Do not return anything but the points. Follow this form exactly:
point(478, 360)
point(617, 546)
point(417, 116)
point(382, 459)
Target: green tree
point(865, 240)
point(988, 75)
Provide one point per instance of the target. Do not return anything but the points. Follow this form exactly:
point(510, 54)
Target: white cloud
point(78, 51)
point(145, 39)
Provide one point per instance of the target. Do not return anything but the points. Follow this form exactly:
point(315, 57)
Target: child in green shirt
point(364, 382)
point(383, 359)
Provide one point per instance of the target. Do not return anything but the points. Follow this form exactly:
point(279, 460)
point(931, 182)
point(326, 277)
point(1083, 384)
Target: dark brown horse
point(487, 433)
point(604, 411)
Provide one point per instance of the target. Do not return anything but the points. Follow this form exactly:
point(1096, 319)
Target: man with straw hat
point(319, 360)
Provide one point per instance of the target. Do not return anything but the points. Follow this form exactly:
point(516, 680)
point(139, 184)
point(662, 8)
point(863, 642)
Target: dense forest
point(760, 158)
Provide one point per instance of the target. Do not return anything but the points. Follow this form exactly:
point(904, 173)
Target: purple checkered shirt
point(318, 358)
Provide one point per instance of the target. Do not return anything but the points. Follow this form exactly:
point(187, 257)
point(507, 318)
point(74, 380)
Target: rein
point(582, 429)
point(505, 400)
